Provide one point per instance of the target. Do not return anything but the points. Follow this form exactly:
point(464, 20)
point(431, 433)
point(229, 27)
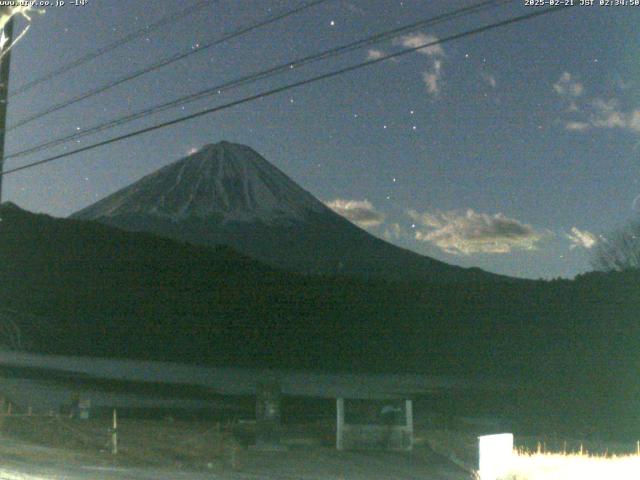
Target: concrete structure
point(386, 426)
point(268, 416)
point(43, 381)
point(84, 409)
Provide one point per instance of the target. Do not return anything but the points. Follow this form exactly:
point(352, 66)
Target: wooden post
point(340, 423)
point(114, 433)
point(408, 411)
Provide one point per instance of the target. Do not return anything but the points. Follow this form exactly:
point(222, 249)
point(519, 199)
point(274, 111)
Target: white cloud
point(433, 76)
point(566, 86)
point(633, 120)
point(360, 212)
point(596, 112)
point(374, 54)
point(571, 90)
point(416, 39)
point(393, 232)
point(608, 114)
point(490, 79)
point(470, 232)
point(581, 238)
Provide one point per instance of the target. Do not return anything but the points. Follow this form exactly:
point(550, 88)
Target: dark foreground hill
point(88, 289)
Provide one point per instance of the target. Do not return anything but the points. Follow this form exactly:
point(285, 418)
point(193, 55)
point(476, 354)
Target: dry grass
point(563, 466)
point(612, 463)
point(140, 443)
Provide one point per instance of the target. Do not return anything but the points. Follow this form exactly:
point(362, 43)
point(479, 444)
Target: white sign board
point(496, 453)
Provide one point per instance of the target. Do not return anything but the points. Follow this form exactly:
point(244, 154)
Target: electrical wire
point(170, 18)
point(290, 86)
point(163, 63)
point(264, 74)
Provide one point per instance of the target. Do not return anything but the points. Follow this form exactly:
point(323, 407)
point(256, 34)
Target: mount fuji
point(228, 194)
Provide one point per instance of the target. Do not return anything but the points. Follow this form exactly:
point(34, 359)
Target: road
point(295, 464)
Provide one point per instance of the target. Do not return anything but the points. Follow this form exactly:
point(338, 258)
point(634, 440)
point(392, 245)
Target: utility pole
point(4, 86)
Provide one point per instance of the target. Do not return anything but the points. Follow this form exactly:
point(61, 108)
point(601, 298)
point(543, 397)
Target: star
point(332, 23)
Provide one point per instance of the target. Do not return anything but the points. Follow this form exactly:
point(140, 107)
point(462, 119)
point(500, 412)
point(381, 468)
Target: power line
point(261, 75)
point(300, 83)
point(170, 18)
point(167, 61)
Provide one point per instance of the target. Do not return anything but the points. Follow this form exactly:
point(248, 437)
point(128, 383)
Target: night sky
point(512, 150)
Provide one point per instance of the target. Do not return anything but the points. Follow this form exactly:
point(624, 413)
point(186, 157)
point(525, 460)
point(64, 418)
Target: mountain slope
point(227, 194)
point(228, 182)
point(83, 288)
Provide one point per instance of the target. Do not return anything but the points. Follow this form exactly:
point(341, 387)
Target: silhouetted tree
point(619, 250)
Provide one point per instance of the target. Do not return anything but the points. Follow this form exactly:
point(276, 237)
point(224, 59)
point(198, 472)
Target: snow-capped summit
point(228, 181)
point(227, 194)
